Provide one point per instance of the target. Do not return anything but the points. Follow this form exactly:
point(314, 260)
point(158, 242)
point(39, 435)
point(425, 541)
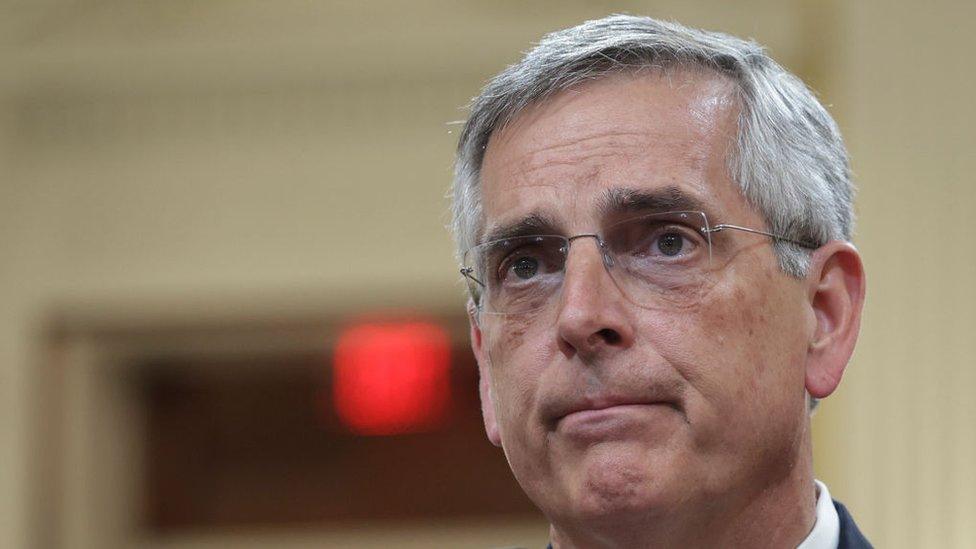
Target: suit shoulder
point(850, 536)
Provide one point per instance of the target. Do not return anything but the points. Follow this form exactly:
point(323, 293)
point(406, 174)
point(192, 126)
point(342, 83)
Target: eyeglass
point(659, 260)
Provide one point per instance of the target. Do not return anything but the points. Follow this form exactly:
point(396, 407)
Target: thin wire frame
point(640, 288)
point(801, 243)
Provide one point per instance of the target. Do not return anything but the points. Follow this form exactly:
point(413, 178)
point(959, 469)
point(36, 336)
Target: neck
point(779, 512)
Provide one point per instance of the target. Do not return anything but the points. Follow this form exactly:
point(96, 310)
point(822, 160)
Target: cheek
point(518, 355)
point(738, 349)
point(750, 319)
point(515, 340)
point(509, 336)
point(743, 323)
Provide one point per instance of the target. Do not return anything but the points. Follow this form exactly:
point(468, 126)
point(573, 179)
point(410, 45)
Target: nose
point(593, 314)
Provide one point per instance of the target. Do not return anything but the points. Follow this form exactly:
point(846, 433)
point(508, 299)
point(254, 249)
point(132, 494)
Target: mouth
point(599, 409)
point(618, 421)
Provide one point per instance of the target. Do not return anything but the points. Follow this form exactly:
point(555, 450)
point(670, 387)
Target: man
point(654, 222)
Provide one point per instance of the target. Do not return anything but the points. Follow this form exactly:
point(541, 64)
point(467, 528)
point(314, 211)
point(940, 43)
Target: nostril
point(610, 336)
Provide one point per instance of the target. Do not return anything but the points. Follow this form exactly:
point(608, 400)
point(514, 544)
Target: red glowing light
point(392, 378)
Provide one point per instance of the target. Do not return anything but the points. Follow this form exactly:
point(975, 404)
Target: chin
point(617, 483)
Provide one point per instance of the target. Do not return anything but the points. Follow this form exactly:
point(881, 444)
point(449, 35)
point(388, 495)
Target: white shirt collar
point(826, 531)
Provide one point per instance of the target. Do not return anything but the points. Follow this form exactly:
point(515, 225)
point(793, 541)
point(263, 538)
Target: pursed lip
point(606, 403)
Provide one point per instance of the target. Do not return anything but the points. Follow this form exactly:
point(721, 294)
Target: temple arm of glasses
point(722, 226)
point(467, 272)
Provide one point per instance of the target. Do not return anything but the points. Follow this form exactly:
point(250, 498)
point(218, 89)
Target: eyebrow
point(616, 201)
point(534, 223)
point(630, 201)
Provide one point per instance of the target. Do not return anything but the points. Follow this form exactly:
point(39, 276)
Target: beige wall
point(195, 160)
point(904, 420)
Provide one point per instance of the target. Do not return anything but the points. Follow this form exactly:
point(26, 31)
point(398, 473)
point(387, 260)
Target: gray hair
point(790, 161)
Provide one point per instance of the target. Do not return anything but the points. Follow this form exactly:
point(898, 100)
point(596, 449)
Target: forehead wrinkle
point(579, 150)
point(509, 202)
point(509, 209)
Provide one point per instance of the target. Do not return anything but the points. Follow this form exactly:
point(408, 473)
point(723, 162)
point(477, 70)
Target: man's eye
point(525, 267)
point(670, 244)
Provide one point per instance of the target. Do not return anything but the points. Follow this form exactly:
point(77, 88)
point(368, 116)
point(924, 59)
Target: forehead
point(636, 132)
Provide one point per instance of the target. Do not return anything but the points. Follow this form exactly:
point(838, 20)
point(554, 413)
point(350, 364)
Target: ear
point(836, 295)
point(484, 373)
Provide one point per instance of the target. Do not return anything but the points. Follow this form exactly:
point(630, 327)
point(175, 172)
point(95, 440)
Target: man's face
point(605, 408)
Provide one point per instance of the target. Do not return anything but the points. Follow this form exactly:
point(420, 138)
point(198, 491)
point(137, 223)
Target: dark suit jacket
point(850, 536)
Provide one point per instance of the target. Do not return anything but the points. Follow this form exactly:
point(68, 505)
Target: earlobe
point(836, 295)
point(484, 374)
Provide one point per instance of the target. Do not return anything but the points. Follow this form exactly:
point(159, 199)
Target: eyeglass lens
point(656, 260)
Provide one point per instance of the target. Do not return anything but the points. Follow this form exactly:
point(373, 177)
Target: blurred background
point(220, 219)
